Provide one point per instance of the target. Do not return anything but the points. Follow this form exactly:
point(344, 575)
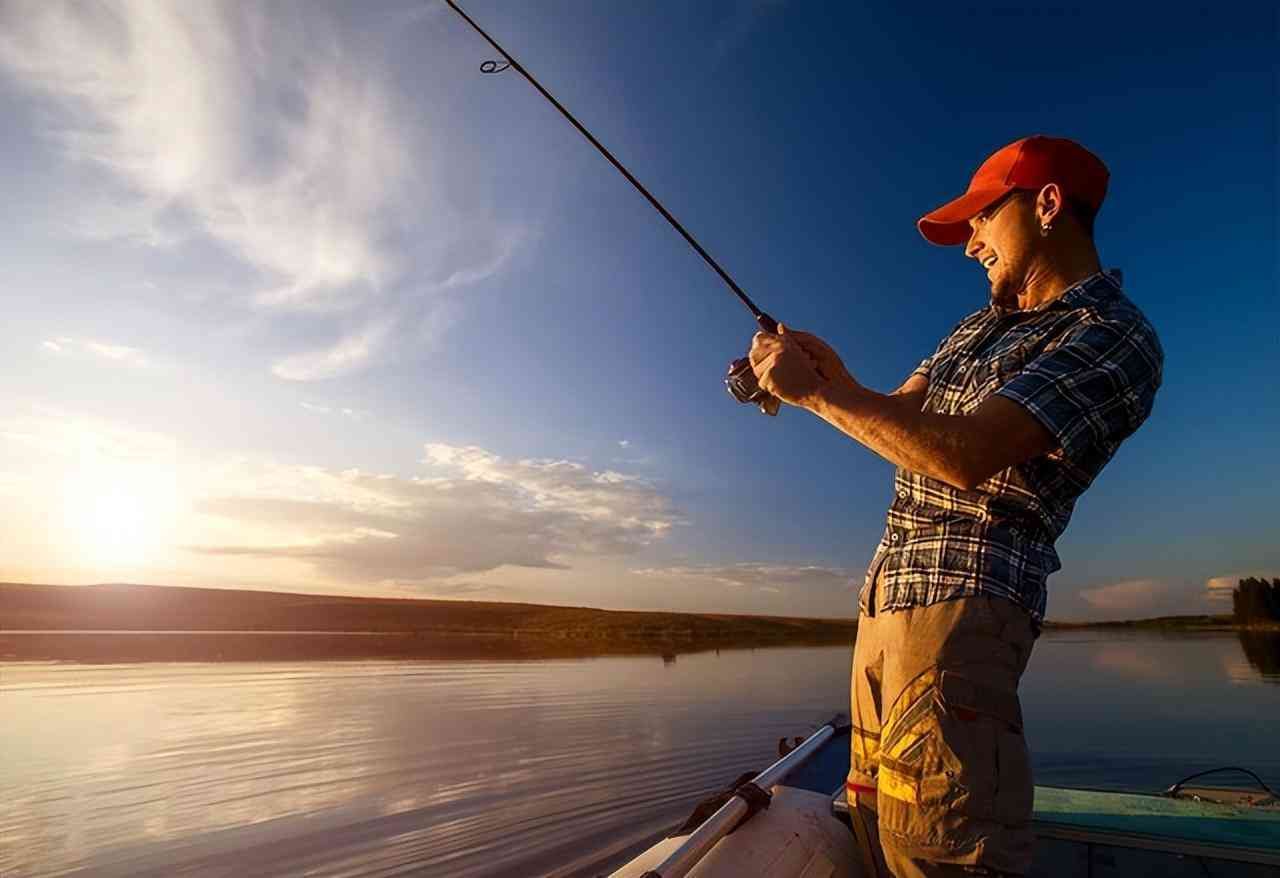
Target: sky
point(297, 298)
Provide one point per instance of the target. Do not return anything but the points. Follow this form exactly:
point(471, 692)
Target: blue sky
point(299, 299)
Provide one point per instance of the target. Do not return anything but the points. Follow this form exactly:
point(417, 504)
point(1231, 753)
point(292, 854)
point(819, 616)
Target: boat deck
point(1098, 833)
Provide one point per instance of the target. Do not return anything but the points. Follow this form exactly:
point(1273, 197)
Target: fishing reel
point(741, 380)
point(743, 386)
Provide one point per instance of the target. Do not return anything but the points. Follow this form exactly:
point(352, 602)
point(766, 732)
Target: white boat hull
point(797, 837)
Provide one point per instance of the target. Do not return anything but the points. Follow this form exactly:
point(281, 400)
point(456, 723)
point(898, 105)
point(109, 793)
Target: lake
point(479, 768)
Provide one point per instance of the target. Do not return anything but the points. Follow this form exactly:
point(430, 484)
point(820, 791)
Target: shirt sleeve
point(925, 365)
point(1095, 388)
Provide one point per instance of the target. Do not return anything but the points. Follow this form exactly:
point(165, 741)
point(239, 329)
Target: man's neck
point(1056, 275)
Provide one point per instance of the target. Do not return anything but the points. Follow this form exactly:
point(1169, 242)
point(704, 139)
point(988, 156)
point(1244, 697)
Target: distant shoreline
point(158, 616)
point(122, 623)
point(1169, 623)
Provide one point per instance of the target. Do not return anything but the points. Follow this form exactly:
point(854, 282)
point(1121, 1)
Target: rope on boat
point(1177, 787)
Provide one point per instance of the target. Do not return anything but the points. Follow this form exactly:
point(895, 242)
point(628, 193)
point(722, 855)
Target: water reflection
point(486, 767)
point(1262, 650)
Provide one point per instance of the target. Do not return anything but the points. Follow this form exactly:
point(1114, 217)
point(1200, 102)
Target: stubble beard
point(1002, 294)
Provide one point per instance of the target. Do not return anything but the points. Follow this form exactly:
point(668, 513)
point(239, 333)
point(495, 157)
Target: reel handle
point(741, 380)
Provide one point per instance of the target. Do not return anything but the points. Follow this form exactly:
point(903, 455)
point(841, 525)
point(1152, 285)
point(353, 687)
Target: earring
point(1044, 230)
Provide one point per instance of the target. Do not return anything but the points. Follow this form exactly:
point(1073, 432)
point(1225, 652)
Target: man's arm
point(913, 389)
point(961, 450)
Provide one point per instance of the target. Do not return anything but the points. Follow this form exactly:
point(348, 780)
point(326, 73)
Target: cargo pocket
point(928, 789)
point(996, 713)
point(952, 761)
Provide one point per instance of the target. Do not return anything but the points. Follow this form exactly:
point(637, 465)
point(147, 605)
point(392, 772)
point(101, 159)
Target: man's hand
point(830, 366)
point(785, 369)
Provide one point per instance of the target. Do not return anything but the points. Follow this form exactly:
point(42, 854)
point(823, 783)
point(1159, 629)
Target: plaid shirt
point(1087, 366)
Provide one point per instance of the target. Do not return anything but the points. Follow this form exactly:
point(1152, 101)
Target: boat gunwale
point(1157, 843)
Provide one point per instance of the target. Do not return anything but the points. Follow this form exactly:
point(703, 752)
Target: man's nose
point(973, 247)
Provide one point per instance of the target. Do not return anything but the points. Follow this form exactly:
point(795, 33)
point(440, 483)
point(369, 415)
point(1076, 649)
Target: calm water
point(523, 768)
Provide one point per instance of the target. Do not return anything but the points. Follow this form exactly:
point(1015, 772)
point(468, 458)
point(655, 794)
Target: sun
point(119, 513)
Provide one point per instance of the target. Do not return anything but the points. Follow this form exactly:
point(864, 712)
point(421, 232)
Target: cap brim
point(949, 224)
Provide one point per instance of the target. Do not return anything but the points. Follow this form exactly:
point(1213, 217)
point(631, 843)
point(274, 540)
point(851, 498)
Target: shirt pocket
point(995, 370)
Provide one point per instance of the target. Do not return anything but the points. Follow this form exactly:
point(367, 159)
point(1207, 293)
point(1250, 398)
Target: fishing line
point(767, 323)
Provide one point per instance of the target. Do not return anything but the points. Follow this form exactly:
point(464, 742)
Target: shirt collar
point(1094, 288)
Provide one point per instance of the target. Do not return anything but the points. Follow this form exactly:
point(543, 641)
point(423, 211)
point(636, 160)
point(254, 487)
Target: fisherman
point(994, 435)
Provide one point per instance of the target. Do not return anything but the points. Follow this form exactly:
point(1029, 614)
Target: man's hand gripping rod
point(741, 380)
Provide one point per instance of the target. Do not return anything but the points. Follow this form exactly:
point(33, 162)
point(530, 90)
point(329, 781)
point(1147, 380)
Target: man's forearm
point(894, 427)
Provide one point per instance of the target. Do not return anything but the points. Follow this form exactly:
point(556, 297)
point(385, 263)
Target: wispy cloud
point(59, 434)
point(343, 411)
point(124, 354)
point(483, 512)
point(267, 130)
point(348, 353)
point(769, 578)
point(255, 130)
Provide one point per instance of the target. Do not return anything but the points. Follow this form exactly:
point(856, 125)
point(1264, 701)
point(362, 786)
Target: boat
point(792, 821)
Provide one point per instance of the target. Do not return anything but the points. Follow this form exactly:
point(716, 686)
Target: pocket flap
point(962, 692)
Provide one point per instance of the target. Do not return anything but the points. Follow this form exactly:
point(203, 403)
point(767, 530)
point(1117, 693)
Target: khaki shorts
point(938, 751)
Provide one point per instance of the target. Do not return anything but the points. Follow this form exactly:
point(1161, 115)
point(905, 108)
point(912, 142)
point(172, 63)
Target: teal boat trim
point(1189, 827)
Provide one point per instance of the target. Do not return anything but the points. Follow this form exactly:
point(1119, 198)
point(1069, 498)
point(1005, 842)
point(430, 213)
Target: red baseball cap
point(1029, 163)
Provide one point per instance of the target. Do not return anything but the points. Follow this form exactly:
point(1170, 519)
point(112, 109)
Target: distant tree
point(1256, 600)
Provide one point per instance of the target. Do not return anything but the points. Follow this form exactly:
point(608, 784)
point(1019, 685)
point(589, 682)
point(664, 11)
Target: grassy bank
point(1168, 623)
point(262, 626)
point(388, 627)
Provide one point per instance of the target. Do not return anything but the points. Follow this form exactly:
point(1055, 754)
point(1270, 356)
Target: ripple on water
point(491, 768)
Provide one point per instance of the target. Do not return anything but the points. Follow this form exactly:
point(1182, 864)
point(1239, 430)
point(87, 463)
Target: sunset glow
point(119, 513)
point(346, 315)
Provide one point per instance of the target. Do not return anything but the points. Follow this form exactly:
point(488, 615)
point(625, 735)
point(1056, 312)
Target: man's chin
point(1002, 299)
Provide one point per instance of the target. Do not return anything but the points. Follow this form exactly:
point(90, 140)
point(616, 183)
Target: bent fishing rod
point(740, 380)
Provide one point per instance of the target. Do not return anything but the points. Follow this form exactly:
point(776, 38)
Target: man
point(995, 435)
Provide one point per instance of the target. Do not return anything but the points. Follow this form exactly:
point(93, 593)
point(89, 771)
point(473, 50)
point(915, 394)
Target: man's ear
point(1048, 204)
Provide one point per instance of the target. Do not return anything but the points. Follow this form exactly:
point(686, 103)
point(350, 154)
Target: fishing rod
point(740, 380)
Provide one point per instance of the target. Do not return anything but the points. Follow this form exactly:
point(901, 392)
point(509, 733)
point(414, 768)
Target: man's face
point(1003, 239)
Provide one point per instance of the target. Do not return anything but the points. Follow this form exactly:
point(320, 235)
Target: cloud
point(1136, 595)
point(459, 589)
point(483, 513)
point(482, 253)
point(354, 414)
point(346, 354)
point(1218, 588)
point(1144, 598)
point(280, 148)
point(86, 347)
point(769, 578)
point(57, 434)
point(269, 130)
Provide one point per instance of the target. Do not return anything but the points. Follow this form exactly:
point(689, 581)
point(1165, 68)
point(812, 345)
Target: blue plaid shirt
point(1087, 366)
